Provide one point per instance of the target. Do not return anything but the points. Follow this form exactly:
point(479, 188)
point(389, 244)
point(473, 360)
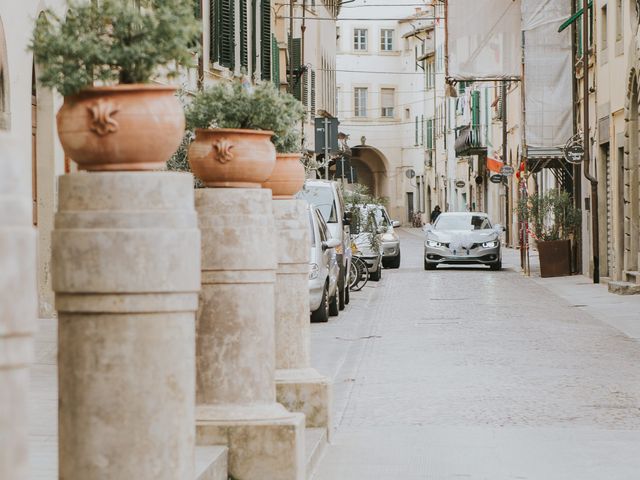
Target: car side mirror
point(347, 218)
point(427, 228)
point(395, 223)
point(331, 243)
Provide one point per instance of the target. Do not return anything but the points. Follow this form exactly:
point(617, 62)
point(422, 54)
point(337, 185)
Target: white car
point(323, 269)
point(388, 238)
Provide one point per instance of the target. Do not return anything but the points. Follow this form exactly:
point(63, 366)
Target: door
point(410, 207)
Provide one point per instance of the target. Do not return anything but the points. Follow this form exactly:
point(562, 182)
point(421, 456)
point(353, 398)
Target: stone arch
point(371, 167)
point(5, 110)
point(632, 171)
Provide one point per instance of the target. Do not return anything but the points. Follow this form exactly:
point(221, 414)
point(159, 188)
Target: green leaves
point(112, 41)
point(552, 215)
point(261, 107)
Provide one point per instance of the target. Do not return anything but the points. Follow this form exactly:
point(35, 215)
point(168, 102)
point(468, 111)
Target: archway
point(631, 179)
point(370, 165)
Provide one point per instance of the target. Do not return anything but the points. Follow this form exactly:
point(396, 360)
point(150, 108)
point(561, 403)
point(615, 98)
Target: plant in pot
point(553, 223)
point(102, 56)
point(238, 129)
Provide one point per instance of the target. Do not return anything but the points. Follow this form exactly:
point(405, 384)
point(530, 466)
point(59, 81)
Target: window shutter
point(475, 108)
point(275, 52)
point(197, 11)
point(313, 93)
point(227, 33)
point(267, 44)
point(244, 35)
point(305, 90)
point(214, 35)
point(295, 59)
point(417, 139)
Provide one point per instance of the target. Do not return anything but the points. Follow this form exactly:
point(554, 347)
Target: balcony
point(469, 141)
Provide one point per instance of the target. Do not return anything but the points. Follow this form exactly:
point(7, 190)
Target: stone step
point(315, 443)
point(632, 277)
point(624, 288)
point(211, 463)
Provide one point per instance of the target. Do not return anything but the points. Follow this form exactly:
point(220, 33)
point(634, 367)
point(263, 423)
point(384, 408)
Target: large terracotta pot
point(288, 176)
point(123, 127)
point(226, 157)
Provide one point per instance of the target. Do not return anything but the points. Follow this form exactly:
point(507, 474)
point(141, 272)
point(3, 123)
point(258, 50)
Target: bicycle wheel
point(359, 273)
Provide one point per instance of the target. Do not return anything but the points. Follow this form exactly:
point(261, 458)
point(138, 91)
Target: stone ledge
point(624, 288)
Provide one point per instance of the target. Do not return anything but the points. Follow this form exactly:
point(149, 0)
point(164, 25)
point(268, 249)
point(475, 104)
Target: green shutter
point(305, 89)
point(214, 36)
point(417, 135)
point(475, 108)
point(275, 56)
point(422, 130)
point(254, 38)
point(197, 11)
point(295, 59)
point(227, 21)
point(244, 35)
point(266, 42)
point(313, 93)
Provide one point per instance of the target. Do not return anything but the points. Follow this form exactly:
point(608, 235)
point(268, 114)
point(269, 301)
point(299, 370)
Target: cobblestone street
point(467, 373)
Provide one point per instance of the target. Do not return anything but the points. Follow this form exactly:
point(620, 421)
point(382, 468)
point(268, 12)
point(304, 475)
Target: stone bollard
point(126, 272)
point(299, 387)
point(235, 339)
point(18, 307)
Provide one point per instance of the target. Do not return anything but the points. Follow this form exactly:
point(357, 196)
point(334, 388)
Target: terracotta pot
point(226, 157)
point(288, 176)
point(555, 258)
point(123, 127)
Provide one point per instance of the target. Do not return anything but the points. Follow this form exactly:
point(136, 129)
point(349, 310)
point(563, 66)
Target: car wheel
point(321, 315)
point(394, 262)
point(333, 306)
point(341, 289)
point(377, 275)
point(347, 296)
point(496, 266)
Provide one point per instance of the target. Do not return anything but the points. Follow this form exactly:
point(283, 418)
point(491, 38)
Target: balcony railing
point(469, 141)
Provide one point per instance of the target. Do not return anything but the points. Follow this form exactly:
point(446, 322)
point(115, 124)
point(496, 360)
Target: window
point(386, 40)
point(387, 100)
point(430, 133)
point(430, 74)
point(603, 28)
point(360, 39)
point(360, 102)
point(619, 24)
point(222, 38)
point(338, 38)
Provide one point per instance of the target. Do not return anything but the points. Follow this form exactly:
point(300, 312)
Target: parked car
point(389, 238)
point(366, 234)
point(323, 269)
point(327, 197)
point(462, 238)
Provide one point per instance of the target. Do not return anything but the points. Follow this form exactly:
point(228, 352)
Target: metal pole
point(595, 237)
point(326, 148)
point(505, 153)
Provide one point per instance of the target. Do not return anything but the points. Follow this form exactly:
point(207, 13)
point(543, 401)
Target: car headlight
point(388, 237)
point(492, 244)
point(433, 243)
point(314, 270)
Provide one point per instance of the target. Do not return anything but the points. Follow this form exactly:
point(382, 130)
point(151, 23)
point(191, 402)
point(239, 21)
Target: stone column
point(299, 387)
point(18, 306)
point(235, 339)
point(126, 272)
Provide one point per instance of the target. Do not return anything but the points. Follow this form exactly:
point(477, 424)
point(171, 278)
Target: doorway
point(410, 207)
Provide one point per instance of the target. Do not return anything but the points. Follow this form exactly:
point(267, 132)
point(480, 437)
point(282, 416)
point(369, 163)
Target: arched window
point(5, 119)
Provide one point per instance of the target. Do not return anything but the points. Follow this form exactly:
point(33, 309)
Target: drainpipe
point(595, 237)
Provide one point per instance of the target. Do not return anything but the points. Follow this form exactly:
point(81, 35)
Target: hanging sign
point(574, 149)
point(497, 178)
point(460, 184)
point(507, 170)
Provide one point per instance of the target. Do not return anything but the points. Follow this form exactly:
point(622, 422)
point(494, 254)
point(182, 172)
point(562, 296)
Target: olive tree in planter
point(102, 56)
point(238, 130)
point(554, 223)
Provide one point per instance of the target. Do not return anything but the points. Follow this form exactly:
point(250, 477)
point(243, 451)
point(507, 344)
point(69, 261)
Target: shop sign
point(497, 178)
point(507, 170)
point(574, 149)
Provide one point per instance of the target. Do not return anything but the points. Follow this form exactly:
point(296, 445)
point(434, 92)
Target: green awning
point(573, 17)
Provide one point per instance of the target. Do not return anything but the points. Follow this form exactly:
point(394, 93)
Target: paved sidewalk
point(467, 373)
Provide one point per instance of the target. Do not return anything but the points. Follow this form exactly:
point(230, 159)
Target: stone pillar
point(126, 272)
point(299, 387)
point(235, 339)
point(18, 306)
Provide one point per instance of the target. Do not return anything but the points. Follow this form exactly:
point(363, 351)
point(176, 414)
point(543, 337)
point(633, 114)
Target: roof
point(463, 214)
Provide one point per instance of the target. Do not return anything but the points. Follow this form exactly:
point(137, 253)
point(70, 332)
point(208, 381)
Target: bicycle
point(359, 274)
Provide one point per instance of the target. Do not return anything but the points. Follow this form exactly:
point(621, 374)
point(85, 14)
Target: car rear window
point(322, 198)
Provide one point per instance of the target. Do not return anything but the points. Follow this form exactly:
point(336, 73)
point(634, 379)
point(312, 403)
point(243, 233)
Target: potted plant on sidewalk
point(238, 128)
point(102, 56)
point(554, 223)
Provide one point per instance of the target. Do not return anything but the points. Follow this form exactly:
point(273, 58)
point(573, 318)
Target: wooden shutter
point(275, 59)
point(244, 35)
point(313, 93)
point(295, 59)
point(227, 21)
point(266, 42)
point(305, 89)
point(214, 35)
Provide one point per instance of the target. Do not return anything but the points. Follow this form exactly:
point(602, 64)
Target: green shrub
point(112, 41)
point(259, 107)
point(551, 215)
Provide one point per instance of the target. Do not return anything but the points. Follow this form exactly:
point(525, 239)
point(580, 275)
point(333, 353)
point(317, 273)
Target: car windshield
point(322, 198)
point(462, 222)
point(381, 217)
point(365, 220)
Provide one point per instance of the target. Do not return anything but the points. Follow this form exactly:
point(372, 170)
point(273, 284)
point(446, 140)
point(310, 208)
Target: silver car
point(462, 239)
point(323, 269)
point(388, 238)
point(366, 235)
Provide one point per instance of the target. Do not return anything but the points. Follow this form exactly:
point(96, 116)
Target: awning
point(494, 165)
point(573, 17)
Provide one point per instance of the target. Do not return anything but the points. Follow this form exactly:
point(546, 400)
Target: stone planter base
point(308, 392)
point(555, 258)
